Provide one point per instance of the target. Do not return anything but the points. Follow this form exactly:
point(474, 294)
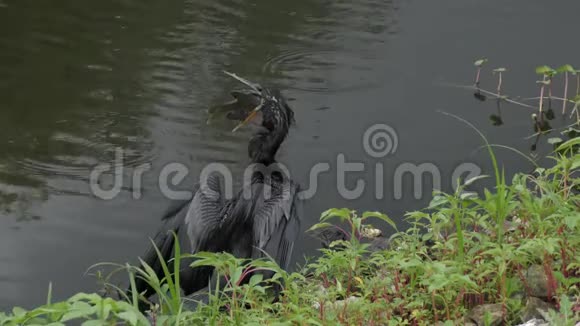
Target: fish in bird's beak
point(250, 117)
point(256, 93)
point(237, 109)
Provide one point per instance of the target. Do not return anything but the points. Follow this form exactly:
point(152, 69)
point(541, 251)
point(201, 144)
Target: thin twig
point(554, 98)
point(555, 129)
point(503, 97)
point(565, 92)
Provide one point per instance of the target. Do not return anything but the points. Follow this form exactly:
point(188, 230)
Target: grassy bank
point(467, 258)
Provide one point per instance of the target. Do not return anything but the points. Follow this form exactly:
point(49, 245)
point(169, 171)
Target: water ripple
point(311, 70)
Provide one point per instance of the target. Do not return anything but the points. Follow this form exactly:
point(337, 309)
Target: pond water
point(79, 80)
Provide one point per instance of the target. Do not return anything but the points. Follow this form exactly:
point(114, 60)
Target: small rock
point(465, 322)
point(478, 314)
point(379, 244)
point(338, 304)
point(518, 295)
point(369, 232)
point(534, 322)
point(328, 235)
point(532, 309)
point(537, 281)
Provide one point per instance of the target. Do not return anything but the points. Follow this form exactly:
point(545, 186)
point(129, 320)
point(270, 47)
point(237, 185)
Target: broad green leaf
point(566, 68)
point(317, 226)
point(468, 195)
point(438, 200)
point(480, 62)
point(338, 286)
point(237, 274)
point(76, 314)
point(92, 297)
point(383, 217)
point(568, 144)
point(544, 70)
point(18, 312)
point(572, 221)
point(554, 140)
point(255, 279)
point(342, 213)
point(106, 310)
point(357, 222)
point(129, 316)
point(501, 69)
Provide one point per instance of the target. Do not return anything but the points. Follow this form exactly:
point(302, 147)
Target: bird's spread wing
point(276, 221)
point(202, 224)
point(204, 215)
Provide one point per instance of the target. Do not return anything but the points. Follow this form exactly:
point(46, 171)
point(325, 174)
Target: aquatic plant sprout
point(566, 69)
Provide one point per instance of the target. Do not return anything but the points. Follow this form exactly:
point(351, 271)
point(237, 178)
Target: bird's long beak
point(254, 87)
point(250, 116)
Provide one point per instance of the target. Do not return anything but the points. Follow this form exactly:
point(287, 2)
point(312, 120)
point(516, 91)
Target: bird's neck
point(264, 145)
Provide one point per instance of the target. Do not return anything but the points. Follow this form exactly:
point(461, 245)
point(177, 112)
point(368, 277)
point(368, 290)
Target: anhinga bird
point(266, 222)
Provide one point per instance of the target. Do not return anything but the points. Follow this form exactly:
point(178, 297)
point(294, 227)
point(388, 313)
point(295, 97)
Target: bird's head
point(272, 112)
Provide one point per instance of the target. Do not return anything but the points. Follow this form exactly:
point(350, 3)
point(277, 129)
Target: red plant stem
point(459, 296)
point(550, 275)
point(565, 92)
point(343, 231)
point(477, 76)
point(542, 99)
point(397, 282)
point(563, 253)
point(325, 280)
point(564, 259)
point(248, 271)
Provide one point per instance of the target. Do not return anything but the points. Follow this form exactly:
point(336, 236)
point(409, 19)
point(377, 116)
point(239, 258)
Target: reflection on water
point(79, 80)
point(544, 120)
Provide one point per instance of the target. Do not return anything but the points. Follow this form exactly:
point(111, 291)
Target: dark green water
point(79, 79)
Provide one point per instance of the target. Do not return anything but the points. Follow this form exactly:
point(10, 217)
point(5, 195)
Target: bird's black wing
point(276, 220)
point(194, 222)
point(205, 215)
point(202, 225)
